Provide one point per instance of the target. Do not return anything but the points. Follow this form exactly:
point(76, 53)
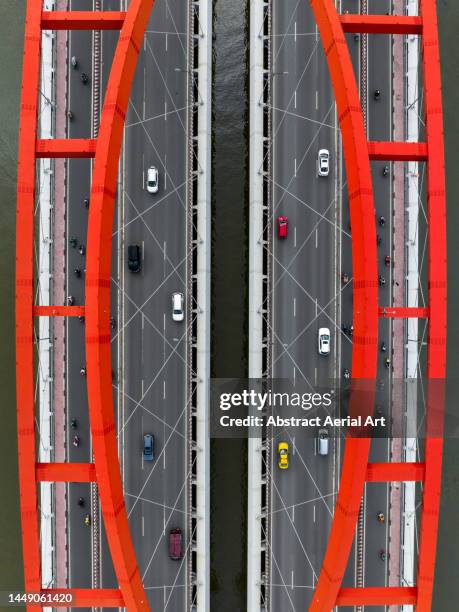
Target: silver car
point(323, 162)
point(322, 442)
point(324, 341)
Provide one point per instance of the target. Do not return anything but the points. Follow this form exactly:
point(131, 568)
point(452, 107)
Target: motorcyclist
point(81, 249)
point(382, 555)
point(344, 278)
point(84, 78)
point(73, 423)
point(76, 440)
point(382, 221)
point(81, 502)
point(112, 322)
point(381, 517)
point(377, 94)
point(81, 319)
point(86, 202)
point(70, 300)
point(69, 115)
point(74, 61)
point(83, 371)
point(387, 362)
point(73, 242)
point(387, 260)
point(77, 272)
point(381, 280)
point(87, 520)
point(383, 347)
point(385, 171)
point(346, 373)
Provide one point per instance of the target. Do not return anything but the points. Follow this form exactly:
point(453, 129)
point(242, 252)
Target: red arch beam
point(358, 153)
point(105, 470)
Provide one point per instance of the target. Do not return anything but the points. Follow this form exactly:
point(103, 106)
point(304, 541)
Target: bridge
point(99, 333)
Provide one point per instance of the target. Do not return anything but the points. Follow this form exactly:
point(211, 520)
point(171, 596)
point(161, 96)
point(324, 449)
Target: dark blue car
point(148, 450)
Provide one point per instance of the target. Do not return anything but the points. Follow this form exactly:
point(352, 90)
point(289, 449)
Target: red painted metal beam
point(25, 384)
point(86, 598)
point(390, 312)
point(377, 596)
point(398, 151)
point(66, 147)
point(365, 315)
point(66, 472)
point(82, 20)
point(58, 311)
point(381, 24)
point(395, 472)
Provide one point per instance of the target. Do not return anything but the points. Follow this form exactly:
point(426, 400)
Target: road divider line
point(294, 236)
point(317, 238)
point(317, 99)
point(294, 307)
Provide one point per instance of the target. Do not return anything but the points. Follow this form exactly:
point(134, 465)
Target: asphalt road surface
point(150, 369)
point(307, 294)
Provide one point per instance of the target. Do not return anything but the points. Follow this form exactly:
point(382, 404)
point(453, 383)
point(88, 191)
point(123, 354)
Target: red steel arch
point(358, 152)
point(105, 151)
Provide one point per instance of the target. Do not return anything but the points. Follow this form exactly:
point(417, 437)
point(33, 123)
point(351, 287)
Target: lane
point(303, 295)
point(154, 359)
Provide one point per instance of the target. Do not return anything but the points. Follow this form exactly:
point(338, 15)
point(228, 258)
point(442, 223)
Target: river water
point(229, 321)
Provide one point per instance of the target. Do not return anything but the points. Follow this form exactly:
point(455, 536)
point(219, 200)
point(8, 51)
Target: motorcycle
point(81, 502)
point(74, 62)
point(70, 300)
point(383, 347)
point(87, 520)
point(76, 440)
point(382, 221)
point(387, 260)
point(344, 278)
point(385, 171)
point(346, 374)
point(84, 78)
point(73, 423)
point(381, 281)
point(381, 517)
point(377, 94)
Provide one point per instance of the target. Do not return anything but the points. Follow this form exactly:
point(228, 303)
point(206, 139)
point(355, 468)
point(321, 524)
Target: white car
point(177, 307)
point(323, 162)
point(324, 341)
point(152, 180)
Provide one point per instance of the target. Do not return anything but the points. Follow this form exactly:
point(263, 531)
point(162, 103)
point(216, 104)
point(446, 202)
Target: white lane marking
point(295, 31)
point(294, 236)
point(165, 172)
point(164, 323)
point(317, 238)
point(164, 520)
point(143, 250)
point(293, 513)
point(165, 110)
point(294, 445)
point(295, 168)
point(294, 375)
point(142, 386)
point(294, 307)
point(164, 597)
point(317, 307)
point(317, 34)
point(315, 376)
point(143, 321)
point(292, 580)
point(317, 99)
point(314, 512)
point(164, 389)
point(294, 99)
point(143, 526)
point(143, 179)
point(166, 41)
point(144, 87)
point(164, 250)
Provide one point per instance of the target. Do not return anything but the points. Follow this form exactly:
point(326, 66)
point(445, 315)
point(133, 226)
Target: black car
point(134, 258)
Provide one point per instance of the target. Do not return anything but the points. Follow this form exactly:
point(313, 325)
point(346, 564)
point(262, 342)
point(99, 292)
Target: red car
point(282, 227)
point(175, 544)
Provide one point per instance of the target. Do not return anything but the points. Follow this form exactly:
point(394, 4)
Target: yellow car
point(282, 451)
